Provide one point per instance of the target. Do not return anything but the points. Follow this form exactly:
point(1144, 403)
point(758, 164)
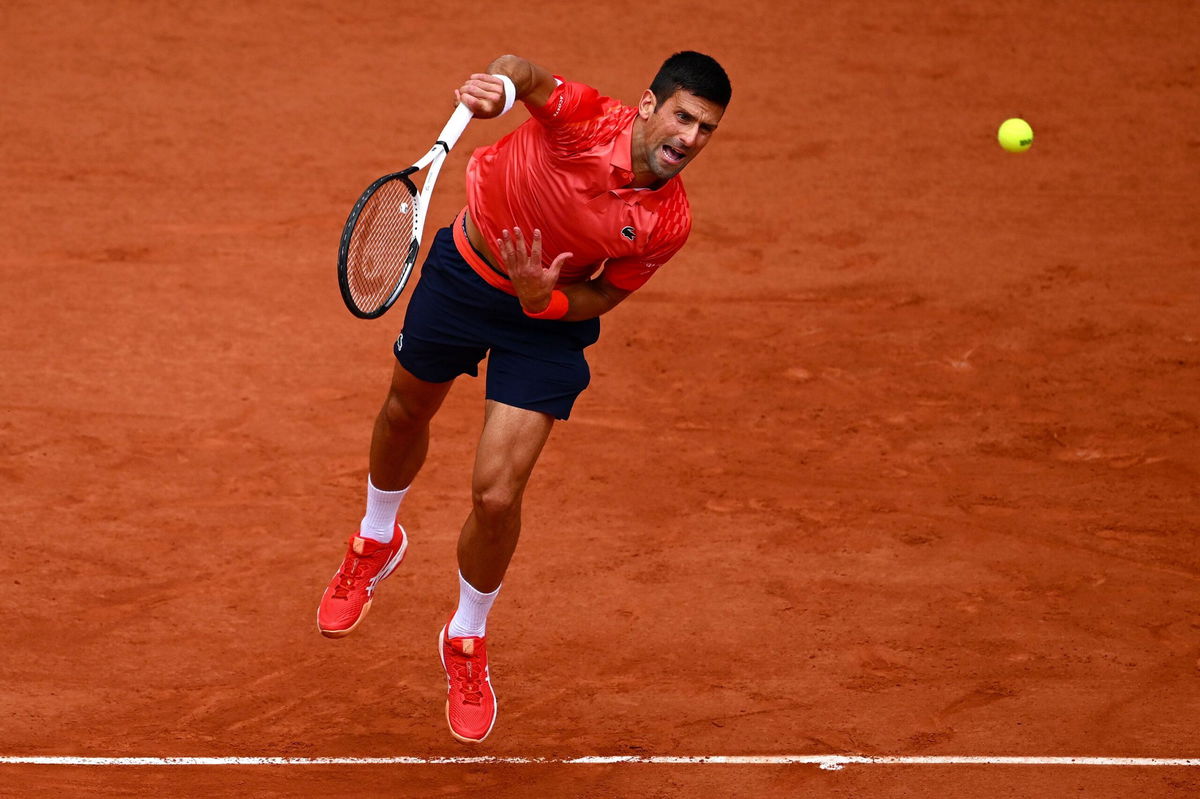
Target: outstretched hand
point(483, 94)
point(532, 282)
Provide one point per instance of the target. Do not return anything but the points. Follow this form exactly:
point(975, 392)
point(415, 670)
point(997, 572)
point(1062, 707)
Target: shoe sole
point(362, 614)
point(386, 571)
point(495, 701)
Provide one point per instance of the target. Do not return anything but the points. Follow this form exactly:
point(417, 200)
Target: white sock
point(470, 620)
point(379, 523)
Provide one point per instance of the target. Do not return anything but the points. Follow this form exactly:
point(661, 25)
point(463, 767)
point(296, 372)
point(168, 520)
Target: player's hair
point(693, 72)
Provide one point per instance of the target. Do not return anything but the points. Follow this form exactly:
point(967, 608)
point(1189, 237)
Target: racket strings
point(380, 244)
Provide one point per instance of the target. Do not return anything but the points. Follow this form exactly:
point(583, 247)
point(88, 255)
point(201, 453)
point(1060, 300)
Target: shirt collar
point(622, 172)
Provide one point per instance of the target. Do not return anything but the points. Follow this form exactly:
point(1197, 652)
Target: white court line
point(828, 762)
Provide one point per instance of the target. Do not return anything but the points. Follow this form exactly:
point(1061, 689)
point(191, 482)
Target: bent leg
point(509, 447)
point(400, 439)
point(398, 448)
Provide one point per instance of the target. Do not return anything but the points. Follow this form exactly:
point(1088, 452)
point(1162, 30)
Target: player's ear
point(647, 104)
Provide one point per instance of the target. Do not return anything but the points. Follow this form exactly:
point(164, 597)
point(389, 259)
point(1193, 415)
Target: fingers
point(535, 252)
point(515, 252)
point(483, 94)
point(536, 255)
point(557, 264)
point(508, 253)
point(512, 246)
point(487, 83)
point(469, 102)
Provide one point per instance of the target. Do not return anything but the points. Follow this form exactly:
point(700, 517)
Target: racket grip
point(455, 127)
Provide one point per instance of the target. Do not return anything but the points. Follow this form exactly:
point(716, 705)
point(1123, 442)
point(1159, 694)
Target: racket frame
point(432, 160)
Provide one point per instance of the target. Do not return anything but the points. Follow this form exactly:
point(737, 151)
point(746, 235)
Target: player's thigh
point(509, 447)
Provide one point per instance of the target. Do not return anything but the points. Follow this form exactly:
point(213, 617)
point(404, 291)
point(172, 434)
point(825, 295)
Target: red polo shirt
point(564, 172)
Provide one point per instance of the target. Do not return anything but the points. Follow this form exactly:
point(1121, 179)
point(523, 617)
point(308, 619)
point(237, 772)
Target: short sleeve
point(631, 273)
point(569, 102)
point(577, 117)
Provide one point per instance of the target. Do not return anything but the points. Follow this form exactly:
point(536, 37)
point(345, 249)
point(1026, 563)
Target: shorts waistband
point(472, 256)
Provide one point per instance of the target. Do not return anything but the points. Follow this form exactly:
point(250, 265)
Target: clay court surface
point(900, 456)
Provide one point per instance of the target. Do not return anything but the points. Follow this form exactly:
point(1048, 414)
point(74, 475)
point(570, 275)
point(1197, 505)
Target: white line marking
point(829, 762)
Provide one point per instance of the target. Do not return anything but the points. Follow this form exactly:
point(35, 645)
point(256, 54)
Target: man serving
point(566, 217)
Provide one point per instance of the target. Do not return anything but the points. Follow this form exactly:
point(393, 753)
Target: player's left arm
point(534, 282)
point(593, 298)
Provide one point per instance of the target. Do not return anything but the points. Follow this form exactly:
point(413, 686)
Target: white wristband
point(510, 92)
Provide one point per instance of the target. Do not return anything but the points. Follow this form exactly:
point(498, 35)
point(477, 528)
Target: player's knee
point(401, 413)
point(497, 505)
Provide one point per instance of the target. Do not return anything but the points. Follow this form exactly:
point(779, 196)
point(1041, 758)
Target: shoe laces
point(353, 569)
point(469, 684)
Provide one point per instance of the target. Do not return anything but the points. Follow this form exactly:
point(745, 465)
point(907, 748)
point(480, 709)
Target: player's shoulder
point(573, 103)
point(596, 131)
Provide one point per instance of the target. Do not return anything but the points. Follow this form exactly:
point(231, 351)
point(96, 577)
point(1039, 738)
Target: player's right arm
point(483, 93)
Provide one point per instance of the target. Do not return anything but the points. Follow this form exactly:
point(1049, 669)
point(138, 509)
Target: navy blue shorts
point(455, 318)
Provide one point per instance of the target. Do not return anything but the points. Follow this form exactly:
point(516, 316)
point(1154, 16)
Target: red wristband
point(557, 308)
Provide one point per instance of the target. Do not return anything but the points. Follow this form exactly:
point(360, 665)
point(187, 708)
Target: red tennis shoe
point(348, 598)
point(470, 701)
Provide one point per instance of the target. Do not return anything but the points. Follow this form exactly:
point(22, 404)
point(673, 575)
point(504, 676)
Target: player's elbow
point(600, 298)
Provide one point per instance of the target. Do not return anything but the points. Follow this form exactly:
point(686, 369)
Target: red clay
point(913, 467)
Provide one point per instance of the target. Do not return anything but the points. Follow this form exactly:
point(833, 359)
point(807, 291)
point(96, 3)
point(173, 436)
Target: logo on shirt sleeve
point(628, 232)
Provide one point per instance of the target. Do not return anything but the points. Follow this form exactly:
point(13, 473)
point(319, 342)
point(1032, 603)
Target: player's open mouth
point(671, 154)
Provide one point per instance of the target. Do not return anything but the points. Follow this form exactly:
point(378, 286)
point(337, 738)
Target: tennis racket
point(383, 233)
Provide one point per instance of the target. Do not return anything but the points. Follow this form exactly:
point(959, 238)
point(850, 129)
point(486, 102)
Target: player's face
point(675, 130)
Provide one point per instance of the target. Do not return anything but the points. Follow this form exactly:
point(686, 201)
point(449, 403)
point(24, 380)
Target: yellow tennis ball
point(1015, 135)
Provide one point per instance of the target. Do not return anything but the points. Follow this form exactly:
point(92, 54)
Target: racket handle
point(455, 127)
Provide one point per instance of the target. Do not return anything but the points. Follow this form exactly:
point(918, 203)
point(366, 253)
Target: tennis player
point(565, 217)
